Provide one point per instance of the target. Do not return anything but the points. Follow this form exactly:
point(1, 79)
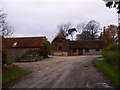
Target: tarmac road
point(71, 72)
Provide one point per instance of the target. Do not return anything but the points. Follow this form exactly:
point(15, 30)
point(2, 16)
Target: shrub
point(31, 55)
point(113, 47)
point(112, 57)
point(46, 49)
point(112, 54)
point(36, 54)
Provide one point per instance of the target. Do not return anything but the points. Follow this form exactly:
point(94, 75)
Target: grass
point(11, 74)
point(109, 71)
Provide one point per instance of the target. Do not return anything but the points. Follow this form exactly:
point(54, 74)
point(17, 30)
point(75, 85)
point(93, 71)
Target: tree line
point(90, 31)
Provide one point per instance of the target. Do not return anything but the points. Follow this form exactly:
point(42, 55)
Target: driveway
point(62, 72)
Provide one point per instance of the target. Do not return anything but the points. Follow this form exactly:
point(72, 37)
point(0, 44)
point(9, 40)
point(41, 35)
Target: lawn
point(11, 74)
point(109, 71)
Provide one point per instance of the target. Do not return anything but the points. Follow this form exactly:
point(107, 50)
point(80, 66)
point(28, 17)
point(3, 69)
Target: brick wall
point(63, 43)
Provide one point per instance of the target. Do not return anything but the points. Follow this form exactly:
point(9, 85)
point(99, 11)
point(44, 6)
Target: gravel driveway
point(62, 72)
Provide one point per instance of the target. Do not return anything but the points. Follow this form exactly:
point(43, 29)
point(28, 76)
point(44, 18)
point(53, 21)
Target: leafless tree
point(81, 27)
point(5, 29)
point(71, 31)
point(85, 35)
point(64, 27)
point(92, 28)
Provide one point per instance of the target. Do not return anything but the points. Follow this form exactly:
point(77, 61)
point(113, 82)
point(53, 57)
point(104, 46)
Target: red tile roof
point(60, 36)
point(23, 42)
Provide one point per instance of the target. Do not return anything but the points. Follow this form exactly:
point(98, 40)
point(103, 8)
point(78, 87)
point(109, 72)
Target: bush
point(46, 49)
point(31, 55)
point(112, 57)
point(112, 54)
point(36, 54)
point(113, 47)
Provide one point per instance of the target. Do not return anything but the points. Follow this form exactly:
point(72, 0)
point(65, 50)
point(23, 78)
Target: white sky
point(41, 17)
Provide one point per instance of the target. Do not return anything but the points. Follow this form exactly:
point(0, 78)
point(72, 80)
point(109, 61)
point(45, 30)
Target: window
point(97, 49)
point(86, 49)
point(59, 47)
point(60, 40)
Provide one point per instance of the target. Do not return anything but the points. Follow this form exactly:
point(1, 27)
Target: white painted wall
point(60, 53)
point(92, 52)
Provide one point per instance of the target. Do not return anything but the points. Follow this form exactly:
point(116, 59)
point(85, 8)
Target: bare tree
point(81, 27)
point(5, 29)
point(64, 27)
point(71, 31)
point(92, 28)
point(85, 35)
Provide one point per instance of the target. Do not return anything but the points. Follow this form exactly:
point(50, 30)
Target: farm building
point(17, 46)
point(62, 46)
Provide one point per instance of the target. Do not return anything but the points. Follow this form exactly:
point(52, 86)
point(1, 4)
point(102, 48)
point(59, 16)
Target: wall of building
point(74, 48)
point(60, 53)
point(74, 53)
point(65, 47)
point(18, 52)
point(92, 52)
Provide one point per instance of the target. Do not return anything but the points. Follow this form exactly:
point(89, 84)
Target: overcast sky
point(41, 17)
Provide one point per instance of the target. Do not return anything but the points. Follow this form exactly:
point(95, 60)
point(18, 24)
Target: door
point(81, 51)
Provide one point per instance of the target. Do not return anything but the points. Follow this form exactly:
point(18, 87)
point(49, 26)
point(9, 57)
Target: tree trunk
point(71, 36)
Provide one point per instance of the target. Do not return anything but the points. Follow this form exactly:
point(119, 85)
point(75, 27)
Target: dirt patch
point(44, 64)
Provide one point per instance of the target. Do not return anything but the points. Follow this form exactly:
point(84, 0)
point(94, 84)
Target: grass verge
point(11, 74)
point(109, 71)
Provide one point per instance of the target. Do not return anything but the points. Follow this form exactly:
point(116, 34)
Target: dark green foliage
point(112, 57)
point(113, 47)
point(112, 54)
point(36, 54)
point(32, 55)
point(46, 49)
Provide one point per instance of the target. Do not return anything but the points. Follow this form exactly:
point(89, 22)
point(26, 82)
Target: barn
point(17, 46)
point(65, 47)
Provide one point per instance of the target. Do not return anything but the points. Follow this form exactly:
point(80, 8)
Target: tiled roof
point(23, 42)
point(60, 36)
point(86, 44)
